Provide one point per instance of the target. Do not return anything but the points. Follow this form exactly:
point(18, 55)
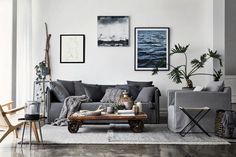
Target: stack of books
point(125, 112)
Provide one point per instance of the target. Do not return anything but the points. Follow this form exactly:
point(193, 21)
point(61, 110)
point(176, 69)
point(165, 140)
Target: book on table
point(125, 112)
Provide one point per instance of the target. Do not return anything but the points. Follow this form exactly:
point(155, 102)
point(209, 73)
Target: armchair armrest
point(13, 110)
point(219, 100)
point(157, 104)
point(8, 104)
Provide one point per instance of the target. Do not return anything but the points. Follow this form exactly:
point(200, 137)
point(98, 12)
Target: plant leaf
point(179, 49)
point(176, 75)
point(215, 55)
point(217, 75)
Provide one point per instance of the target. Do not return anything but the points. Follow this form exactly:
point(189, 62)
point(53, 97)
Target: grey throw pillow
point(112, 95)
point(94, 92)
point(215, 86)
point(69, 85)
point(146, 94)
point(59, 90)
point(140, 84)
point(79, 89)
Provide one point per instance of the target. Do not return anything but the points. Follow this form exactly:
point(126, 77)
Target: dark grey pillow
point(112, 95)
point(94, 92)
point(140, 84)
point(79, 89)
point(59, 90)
point(146, 94)
point(69, 86)
point(133, 90)
point(215, 86)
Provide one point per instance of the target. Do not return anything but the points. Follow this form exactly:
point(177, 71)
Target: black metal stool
point(194, 120)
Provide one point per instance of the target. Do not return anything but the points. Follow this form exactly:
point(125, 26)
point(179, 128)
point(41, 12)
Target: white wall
point(190, 21)
point(5, 49)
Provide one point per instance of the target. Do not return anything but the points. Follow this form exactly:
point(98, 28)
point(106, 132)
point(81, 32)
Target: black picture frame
point(152, 44)
point(72, 48)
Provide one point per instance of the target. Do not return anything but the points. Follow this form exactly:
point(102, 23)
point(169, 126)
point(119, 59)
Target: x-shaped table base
point(194, 120)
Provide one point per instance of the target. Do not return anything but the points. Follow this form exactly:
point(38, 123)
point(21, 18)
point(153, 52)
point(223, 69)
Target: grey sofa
point(214, 100)
point(54, 106)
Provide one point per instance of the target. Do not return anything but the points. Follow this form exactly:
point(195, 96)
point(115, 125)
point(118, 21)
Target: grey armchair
point(185, 98)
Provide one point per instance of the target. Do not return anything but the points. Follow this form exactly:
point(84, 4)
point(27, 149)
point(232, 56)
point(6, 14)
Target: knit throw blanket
point(71, 105)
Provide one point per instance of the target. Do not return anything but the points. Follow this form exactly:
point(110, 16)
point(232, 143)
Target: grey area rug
point(121, 134)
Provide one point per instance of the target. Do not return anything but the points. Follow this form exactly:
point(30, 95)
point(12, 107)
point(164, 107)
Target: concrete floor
point(10, 148)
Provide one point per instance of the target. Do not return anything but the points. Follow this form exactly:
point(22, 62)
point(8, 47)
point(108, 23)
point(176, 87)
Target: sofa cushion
point(146, 94)
point(94, 92)
point(112, 95)
point(140, 84)
point(69, 86)
point(59, 90)
point(79, 89)
point(133, 90)
point(104, 87)
point(215, 86)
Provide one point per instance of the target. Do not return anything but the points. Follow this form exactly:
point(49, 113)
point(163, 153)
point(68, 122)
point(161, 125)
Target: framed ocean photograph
point(113, 31)
point(72, 48)
point(151, 48)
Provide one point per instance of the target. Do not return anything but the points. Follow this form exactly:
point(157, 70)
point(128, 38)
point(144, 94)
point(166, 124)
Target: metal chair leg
point(30, 133)
point(40, 132)
point(23, 133)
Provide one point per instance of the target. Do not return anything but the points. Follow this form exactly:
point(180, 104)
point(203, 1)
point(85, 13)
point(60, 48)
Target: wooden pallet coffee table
point(135, 122)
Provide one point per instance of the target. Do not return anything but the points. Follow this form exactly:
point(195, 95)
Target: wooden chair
point(9, 123)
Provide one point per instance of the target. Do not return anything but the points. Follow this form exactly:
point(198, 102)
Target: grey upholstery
point(54, 107)
point(185, 98)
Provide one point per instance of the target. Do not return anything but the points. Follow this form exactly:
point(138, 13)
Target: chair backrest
point(4, 122)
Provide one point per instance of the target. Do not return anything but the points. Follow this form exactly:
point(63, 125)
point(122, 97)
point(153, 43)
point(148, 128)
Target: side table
point(33, 126)
point(202, 111)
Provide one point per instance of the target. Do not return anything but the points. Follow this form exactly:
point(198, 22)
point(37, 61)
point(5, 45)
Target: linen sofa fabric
point(112, 95)
point(146, 94)
point(69, 86)
point(79, 89)
point(140, 84)
point(215, 86)
point(54, 105)
point(133, 90)
point(94, 92)
point(59, 90)
point(190, 99)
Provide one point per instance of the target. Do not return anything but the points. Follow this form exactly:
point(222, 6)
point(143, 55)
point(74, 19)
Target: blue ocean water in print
point(151, 47)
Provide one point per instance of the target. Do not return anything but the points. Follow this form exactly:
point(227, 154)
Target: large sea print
point(152, 47)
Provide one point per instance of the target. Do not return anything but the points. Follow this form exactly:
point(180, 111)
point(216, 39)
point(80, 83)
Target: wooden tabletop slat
point(76, 116)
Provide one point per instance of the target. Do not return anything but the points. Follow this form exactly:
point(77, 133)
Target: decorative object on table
point(135, 109)
point(97, 112)
point(180, 72)
point(32, 110)
point(140, 106)
point(72, 48)
point(110, 109)
point(225, 128)
point(118, 106)
point(151, 47)
point(126, 112)
point(126, 100)
point(113, 31)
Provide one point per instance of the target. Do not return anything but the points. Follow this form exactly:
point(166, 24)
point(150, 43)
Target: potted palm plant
point(183, 72)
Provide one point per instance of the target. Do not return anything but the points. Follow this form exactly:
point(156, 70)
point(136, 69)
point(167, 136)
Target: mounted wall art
point(72, 48)
point(113, 31)
point(151, 47)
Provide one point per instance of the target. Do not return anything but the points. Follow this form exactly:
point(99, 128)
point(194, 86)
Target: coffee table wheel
point(136, 125)
point(73, 127)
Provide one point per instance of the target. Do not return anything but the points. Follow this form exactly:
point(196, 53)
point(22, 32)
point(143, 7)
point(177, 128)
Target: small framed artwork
point(113, 31)
point(72, 48)
point(151, 48)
